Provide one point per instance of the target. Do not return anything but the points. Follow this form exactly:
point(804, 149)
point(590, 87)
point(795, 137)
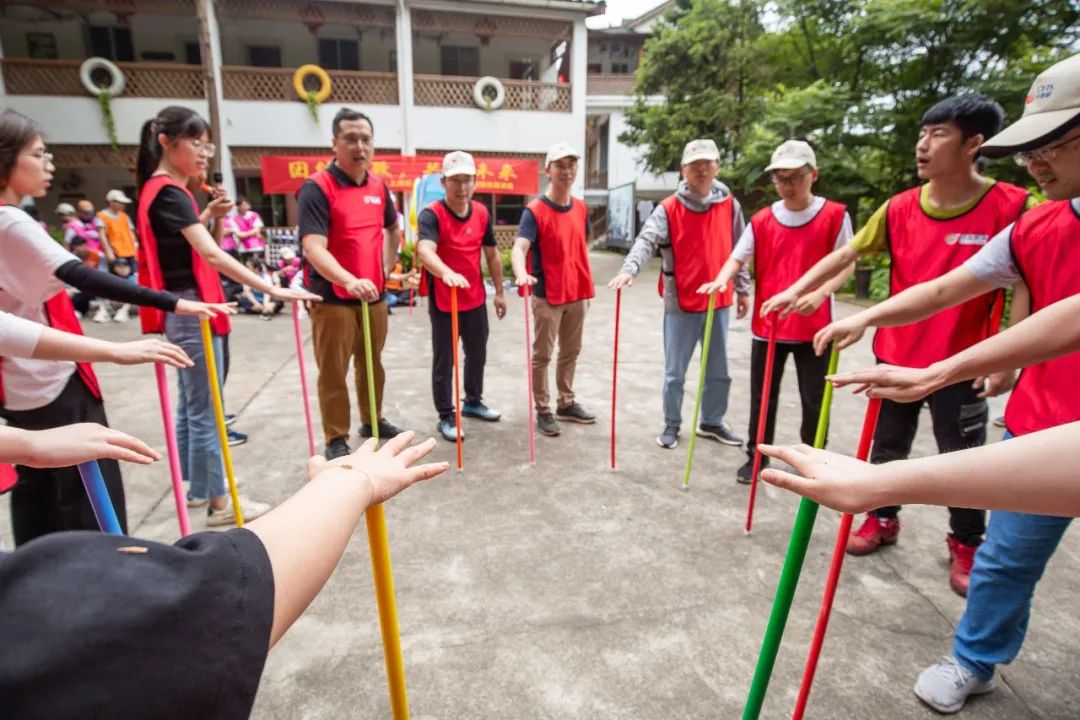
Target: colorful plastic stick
point(380, 561)
point(873, 408)
point(99, 498)
point(615, 371)
point(700, 390)
point(763, 418)
point(528, 374)
point(303, 376)
point(457, 373)
point(174, 452)
point(219, 413)
point(793, 563)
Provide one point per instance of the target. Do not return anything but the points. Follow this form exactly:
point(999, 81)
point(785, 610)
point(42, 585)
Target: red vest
point(781, 256)
point(459, 247)
point(700, 244)
point(1045, 250)
point(356, 227)
point(207, 280)
point(923, 249)
point(564, 258)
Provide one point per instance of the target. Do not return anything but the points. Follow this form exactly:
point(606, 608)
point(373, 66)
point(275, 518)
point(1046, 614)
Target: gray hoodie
point(654, 234)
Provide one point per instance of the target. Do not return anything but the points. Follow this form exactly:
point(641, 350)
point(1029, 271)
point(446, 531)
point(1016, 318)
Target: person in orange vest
point(454, 233)
point(785, 240)
point(694, 230)
point(551, 256)
point(117, 233)
point(929, 231)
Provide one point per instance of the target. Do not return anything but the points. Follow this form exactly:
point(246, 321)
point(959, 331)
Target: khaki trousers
point(566, 323)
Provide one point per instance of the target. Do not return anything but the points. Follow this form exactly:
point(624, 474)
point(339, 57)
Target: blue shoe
point(236, 438)
point(480, 411)
point(448, 430)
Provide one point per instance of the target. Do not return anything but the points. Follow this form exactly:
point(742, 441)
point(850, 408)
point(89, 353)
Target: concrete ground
point(567, 591)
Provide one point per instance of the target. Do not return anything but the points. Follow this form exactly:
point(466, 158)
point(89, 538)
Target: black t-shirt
point(527, 229)
point(179, 631)
point(170, 213)
point(313, 210)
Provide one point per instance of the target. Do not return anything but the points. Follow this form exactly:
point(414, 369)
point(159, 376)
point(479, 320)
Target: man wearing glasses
point(929, 231)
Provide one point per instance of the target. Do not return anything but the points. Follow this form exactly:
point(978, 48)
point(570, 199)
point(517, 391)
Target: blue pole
point(99, 498)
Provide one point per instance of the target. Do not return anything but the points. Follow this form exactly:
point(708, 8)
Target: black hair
point(16, 132)
point(242, 199)
point(77, 241)
point(174, 122)
point(345, 114)
point(973, 113)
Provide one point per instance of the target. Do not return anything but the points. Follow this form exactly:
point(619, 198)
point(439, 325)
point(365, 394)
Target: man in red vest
point(453, 232)
point(694, 231)
point(553, 233)
point(929, 231)
point(785, 240)
point(349, 229)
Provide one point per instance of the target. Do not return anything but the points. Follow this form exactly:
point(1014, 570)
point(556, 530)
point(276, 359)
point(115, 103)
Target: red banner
point(283, 174)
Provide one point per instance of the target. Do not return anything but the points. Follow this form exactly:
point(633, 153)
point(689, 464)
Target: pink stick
point(303, 376)
point(174, 451)
point(528, 373)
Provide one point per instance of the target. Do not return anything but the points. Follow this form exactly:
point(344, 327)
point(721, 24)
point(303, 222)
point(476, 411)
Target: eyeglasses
point(45, 158)
point(789, 179)
point(353, 141)
point(1043, 154)
point(207, 149)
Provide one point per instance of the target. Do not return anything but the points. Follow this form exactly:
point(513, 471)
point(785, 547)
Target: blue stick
point(99, 498)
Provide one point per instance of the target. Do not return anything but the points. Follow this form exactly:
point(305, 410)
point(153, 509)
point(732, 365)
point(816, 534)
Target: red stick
point(614, 371)
point(410, 300)
point(528, 374)
point(873, 408)
point(457, 374)
point(763, 416)
point(303, 376)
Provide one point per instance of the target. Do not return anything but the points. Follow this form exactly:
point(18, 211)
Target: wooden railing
point(610, 84)
point(141, 79)
point(505, 236)
point(276, 84)
point(450, 91)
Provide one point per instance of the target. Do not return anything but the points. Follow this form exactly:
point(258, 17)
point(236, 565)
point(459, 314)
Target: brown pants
point(337, 333)
point(565, 322)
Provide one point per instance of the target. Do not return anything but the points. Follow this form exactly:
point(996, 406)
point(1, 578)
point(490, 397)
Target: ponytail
point(149, 154)
point(174, 122)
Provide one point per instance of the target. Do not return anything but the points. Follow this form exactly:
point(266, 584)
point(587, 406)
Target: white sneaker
point(250, 509)
point(102, 315)
point(122, 315)
point(947, 686)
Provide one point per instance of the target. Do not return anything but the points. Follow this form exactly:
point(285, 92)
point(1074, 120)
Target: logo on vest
point(966, 239)
point(372, 200)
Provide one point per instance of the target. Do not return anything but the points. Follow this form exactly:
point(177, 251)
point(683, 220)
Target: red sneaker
point(872, 534)
point(962, 557)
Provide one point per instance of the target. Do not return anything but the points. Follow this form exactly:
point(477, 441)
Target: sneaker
point(448, 430)
point(197, 502)
point(721, 433)
point(745, 474)
point(236, 438)
point(875, 532)
point(387, 430)
point(338, 447)
point(962, 557)
point(999, 421)
point(102, 315)
point(230, 418)
point(575, 413)
point(480, 411)
point(250, 510)
point(668, 439)
point(545, 423)
point(122, 315)
point(947, 686)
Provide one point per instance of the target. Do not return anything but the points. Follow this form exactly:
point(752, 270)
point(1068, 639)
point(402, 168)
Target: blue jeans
point(682, 333)
point(196, 427)
point(1008, 565)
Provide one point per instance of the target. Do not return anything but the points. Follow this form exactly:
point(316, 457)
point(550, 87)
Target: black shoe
point(669, 438)
point(236, 438)
point(721, 433)
point(746, 473)
point(336, 448)
point(387, 430)
point(230, 418)
point(545, 423)
point(575, 413)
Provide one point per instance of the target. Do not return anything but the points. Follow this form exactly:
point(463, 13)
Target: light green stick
point(700, 390)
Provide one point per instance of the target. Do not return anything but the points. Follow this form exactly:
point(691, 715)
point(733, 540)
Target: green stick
point(700, 390)
point(789, 575)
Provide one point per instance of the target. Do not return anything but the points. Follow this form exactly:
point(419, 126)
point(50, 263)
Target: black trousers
point(473, 330)
point(50, 500)
point(810, 370)
point(959, 418)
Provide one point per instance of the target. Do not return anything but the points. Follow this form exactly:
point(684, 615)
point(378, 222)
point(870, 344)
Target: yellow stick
point(219, 412)
point(380, 562)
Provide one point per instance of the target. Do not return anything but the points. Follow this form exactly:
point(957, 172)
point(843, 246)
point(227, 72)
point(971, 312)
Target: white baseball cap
point(558, 151)
point(117, 196)
point(458, 163)
point(700, 149)
point(1052, 105)
point(65, 209)
point(792, 154)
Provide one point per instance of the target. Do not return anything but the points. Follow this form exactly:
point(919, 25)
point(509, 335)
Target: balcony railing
point(610, 84)
point(505, 236)
point(276, 84)
point(596, 180)
point(449, 91)
point(141, 79)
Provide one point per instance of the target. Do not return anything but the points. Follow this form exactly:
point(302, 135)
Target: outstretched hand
point(892, 382)
point(73, 444)
point(836, 481)
point(388, 470)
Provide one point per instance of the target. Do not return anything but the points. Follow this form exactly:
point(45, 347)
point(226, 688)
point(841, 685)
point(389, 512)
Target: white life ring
point(116, 77)
point(481, 100)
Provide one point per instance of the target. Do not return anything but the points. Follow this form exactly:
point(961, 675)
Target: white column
point(403, 43)
point(215, 60)
point(579, 62)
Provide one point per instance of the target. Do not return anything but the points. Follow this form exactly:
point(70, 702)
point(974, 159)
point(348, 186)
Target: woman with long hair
point(177, 253)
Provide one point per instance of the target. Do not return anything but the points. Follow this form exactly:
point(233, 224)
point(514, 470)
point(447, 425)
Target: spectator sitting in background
point(246, 227)
point(254, 301)
point(65, 212)
point(83, 225)
point(288, 267)
point(398, 283)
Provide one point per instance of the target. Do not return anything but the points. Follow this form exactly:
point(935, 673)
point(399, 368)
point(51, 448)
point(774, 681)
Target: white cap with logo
point(65, 209)
point(458, 162)
point(558, 151)
point(117, 196)
point(700, 149)
point(1052, 104)
point(792, 154)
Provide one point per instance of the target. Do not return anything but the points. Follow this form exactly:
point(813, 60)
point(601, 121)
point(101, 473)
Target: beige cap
point(792, 154)
point(1051, 105)
point(700, 149)
point(558, 151)
point(117, 196)
point(458, 163)
point(65, 209)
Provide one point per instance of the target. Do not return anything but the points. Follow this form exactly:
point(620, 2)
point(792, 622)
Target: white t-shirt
point(744, 249)
point(18, 337)
point(993, 264)
point(27, 280)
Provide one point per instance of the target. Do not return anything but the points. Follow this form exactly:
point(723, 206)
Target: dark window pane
point(192, 53)
point(349, 54)
point(101, 43)
point(328, 54)
point(264, 56)
point(125, 48)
